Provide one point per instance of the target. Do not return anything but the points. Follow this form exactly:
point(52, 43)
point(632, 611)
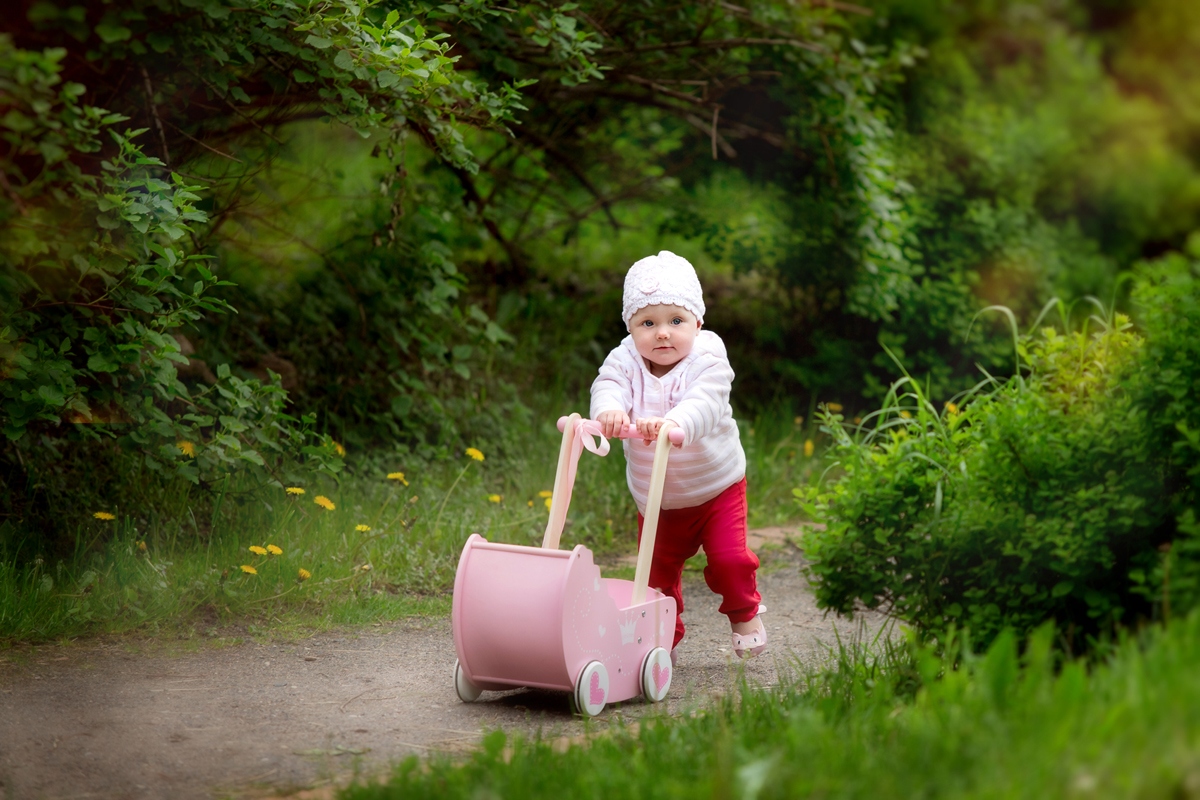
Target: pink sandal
point(748, 645)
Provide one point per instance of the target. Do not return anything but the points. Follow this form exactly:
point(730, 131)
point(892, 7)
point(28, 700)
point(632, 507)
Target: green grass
point(903, 725)
point(168, 570)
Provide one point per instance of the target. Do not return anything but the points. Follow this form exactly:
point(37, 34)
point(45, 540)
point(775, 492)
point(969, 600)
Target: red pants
point(719, 526)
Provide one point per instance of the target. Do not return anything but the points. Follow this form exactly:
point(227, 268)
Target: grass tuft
point(371, 547)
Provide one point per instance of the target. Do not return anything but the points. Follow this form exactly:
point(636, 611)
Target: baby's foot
point(749, 638)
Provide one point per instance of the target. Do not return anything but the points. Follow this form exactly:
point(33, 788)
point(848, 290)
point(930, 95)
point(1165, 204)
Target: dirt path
point(111, 719)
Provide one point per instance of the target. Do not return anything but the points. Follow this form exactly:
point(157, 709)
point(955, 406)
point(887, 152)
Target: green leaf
point(301, 76)
point(52, 395)
point(344, 60)
point(1061, 588)
point(216, 10)
point(101, 363)
point(318, 42)
point(161, 42)
point(112, 32)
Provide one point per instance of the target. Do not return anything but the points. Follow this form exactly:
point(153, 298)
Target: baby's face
point(663, 335)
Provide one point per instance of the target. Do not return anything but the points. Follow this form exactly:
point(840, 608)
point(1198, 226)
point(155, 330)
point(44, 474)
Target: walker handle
point(630, 431)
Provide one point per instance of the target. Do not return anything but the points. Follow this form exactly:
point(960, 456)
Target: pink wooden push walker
point(543, 617)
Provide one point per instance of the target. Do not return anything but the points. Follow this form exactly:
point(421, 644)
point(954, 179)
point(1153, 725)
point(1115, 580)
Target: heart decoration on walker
point(543, 617)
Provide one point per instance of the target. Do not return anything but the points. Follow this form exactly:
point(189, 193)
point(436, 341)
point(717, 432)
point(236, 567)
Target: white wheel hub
point(591, 689)
point(467, 691)
point(656, 675)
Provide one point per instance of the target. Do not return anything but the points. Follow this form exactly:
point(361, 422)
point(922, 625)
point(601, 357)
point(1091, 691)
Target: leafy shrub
point(1167, 388)
point(381, 342)
point(97, 275)
point(102, 247)
point(1030, 503)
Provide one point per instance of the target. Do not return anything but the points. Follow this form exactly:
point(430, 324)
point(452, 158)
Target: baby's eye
point(647, 323)
point(677, 321)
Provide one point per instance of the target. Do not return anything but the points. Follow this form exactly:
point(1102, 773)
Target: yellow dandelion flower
point(858, 420)
point(362, 528)
point(808, 448)
point(249, 570)
point(530, 504)
point(952, 408)
point(549, 500)
point(475, 454)
point(187, 448)
point(906, 415)
point(545, 493)
point(303, 574)
point(494, 498)
point(104, 515)
point(834, 407)
point(258, 551)
point(341, 451)
point(798, 421)
point(324, 502)
point(397, 476)
point(294, 490)
point(142, 546)
point(365, 567)
point(274, 550)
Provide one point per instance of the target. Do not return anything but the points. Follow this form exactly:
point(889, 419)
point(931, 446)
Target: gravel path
point(142, 719)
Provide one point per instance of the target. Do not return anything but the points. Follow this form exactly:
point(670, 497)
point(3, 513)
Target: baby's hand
point(612, 422)
point(649, 428)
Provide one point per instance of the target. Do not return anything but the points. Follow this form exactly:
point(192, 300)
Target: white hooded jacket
point(693, 395)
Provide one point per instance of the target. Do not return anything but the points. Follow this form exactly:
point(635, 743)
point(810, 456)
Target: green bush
point(1167, 388)
point(1033, 502)
point(382, 343)
point(96, 273)
point(105, 251)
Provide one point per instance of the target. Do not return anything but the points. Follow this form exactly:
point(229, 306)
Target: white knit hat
point(664, 279)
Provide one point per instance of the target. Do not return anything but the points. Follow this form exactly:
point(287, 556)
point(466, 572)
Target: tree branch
point(515, 257)
point(664, 90)
point(202, 144)
point(162, 134)
point(579, 216)
point(578, 174)
point(713, 43)
point(12, 194)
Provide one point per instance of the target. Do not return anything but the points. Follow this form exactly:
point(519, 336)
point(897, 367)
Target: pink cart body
point(526, 616)
point(543, 617)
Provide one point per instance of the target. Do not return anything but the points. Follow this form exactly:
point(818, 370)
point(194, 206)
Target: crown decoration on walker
point(543, 617)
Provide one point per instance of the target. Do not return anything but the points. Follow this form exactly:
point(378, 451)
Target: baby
point(669, 370)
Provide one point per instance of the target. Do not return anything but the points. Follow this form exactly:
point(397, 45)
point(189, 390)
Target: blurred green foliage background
point(277, 238)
